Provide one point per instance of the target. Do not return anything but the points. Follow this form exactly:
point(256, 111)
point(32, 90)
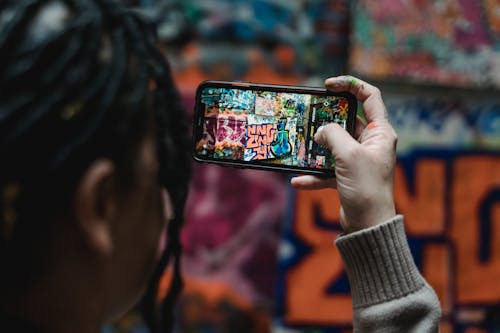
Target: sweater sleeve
point(389, 294)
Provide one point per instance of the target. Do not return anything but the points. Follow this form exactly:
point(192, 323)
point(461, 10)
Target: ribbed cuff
point(379, 263)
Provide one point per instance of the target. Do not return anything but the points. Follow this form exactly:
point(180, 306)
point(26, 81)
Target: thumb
point(337, 139)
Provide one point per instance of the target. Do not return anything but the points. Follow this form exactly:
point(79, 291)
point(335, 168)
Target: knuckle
point(395, 138)
point(377, 92)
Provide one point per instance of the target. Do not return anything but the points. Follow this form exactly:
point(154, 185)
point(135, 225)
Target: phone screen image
point(267, 127)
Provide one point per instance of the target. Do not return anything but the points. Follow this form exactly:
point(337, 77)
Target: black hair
point(73, 88)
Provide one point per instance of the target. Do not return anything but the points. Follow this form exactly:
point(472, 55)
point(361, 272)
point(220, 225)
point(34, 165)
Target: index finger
point(308, 182)
point(368, 95)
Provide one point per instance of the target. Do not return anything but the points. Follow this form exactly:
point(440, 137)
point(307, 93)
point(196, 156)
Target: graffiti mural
point(258, 256)
point(274, 127)
point(257, 40)
point(261, 133)
point(457, 45)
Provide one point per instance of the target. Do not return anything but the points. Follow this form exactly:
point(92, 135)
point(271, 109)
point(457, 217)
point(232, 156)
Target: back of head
point(79, 80)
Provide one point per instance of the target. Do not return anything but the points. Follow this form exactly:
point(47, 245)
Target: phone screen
point(268, 126)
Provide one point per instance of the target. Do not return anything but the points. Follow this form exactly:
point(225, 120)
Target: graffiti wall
point(259, 256)
point(452, 42)
point(281, 41)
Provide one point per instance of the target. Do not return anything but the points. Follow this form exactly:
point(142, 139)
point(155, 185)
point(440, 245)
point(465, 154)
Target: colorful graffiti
point(258, 256)
point(258, 40)
point(231, 239)
point(457, 45)
point(274, 127)
point(259, 139)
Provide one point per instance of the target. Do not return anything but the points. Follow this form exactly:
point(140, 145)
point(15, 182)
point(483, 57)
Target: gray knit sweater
point(388, 292)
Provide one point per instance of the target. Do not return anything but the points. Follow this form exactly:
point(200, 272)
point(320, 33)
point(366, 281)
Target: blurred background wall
point(258, 256)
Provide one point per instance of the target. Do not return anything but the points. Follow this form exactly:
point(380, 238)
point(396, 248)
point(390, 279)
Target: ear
point(95, 206)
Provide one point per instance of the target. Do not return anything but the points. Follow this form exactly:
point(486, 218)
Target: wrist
point(369, 215)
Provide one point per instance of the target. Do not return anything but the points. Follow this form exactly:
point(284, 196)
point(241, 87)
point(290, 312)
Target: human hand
point(364, 168)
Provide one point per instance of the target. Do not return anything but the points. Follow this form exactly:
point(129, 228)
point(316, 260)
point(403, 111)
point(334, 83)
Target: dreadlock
point(78, 79)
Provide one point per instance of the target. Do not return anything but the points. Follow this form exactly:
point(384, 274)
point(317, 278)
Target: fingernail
point(331, 81)
point(318, 132)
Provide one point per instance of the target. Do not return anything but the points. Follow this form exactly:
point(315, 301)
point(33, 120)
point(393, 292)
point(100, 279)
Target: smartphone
point(268, 127)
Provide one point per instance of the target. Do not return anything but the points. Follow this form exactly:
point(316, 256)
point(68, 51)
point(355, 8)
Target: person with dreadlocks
point(94, 171)
point(93, 163)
